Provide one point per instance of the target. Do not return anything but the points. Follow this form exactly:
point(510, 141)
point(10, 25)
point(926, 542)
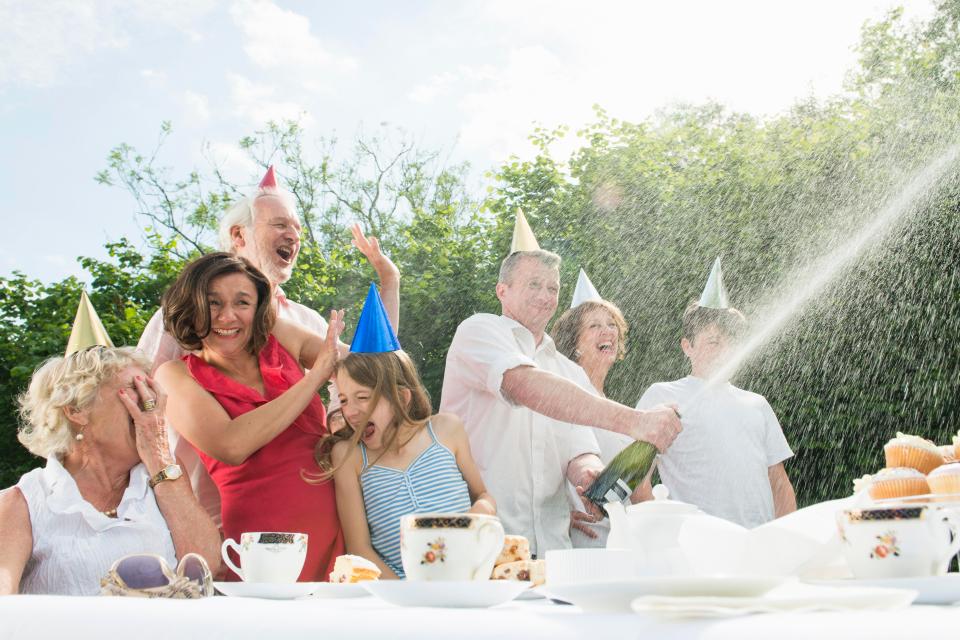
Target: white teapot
point(652, 530)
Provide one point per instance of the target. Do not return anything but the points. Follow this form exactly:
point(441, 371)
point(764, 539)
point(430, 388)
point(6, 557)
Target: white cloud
point(437, 86)
point(41, 41)
point(38, 39)
point(282, 41)
point(234, 163)
point(256, 103)
point(197, 106)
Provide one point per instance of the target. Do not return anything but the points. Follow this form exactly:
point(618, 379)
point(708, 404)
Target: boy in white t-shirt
point(728, 460)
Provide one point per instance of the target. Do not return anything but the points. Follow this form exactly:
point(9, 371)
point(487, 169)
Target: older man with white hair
point(264, 228)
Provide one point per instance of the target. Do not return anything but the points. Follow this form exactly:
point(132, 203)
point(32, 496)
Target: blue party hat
point(374, 333)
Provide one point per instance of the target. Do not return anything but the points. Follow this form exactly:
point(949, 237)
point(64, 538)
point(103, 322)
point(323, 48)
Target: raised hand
point(370, 248)
point(330, 354)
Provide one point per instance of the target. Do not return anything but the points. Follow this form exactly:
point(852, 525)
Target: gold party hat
point(87, 328)
point(523, 238)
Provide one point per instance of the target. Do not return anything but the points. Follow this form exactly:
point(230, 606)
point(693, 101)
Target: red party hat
point(269, 179)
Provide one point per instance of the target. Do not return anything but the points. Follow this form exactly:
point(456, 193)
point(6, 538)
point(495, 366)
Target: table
point(101, 618)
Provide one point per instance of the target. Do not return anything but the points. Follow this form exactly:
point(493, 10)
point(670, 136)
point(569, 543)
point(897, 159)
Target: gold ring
point(149, 404)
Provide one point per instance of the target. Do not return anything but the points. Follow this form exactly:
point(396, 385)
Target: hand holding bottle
point(658, 426)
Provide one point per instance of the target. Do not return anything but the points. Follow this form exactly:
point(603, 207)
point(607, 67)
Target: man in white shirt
point(729, 458)
point(264, 229)
point(521, 402)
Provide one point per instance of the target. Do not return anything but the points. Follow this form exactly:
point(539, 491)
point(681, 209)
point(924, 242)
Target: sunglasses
point(149, 576)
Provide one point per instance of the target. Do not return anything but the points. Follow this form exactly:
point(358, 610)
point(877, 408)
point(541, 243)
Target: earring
point(79, 435)
point(576, 354)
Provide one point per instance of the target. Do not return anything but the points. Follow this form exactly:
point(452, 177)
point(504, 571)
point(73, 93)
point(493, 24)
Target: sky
point(468, 78)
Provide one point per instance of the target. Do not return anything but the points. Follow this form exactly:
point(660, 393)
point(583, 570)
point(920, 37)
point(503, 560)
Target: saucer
point(616, 596)
point(930, 589)
point(467, 593)
point(268, 590)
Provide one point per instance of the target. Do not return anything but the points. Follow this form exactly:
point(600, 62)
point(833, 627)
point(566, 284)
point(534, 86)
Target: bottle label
point(619, 492)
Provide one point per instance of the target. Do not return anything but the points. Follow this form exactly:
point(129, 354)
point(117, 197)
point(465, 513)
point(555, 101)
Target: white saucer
point(339, 590)
point(469, 593)
point(931, 589)
point(616, 596)
point(267, 590)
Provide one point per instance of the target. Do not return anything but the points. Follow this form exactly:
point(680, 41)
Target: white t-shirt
point(720, 460)
point(522, 455)
point(160, 347)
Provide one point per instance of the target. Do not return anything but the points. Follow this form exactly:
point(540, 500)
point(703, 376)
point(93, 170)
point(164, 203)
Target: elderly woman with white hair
point(110, 487)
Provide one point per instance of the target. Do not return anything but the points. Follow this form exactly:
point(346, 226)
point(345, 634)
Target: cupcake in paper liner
point(949, 453)
point(913, 452)
point(898, 482)
point(944, 481)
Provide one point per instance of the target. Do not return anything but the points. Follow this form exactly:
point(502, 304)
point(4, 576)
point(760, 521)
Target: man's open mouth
point(285, 253)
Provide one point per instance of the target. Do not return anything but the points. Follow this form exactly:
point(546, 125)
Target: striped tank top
point(431, 483)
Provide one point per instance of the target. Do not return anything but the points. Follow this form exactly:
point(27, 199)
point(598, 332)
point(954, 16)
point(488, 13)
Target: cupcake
point(956, 446)
point(914, 452)
point(898, 482)
point(945, 480)
point(949, 453)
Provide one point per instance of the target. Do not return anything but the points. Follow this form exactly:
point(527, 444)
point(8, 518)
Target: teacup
point(267, 556)
point(898, 542)
point(449, 546)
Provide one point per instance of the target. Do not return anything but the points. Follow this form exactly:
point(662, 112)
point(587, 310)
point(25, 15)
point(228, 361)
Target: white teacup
point(898, 541)
point(449, 546)
point(267, 556)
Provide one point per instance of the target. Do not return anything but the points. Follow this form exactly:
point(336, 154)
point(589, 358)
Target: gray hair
point(510, 263)
point(243, 212)
point(62, 382)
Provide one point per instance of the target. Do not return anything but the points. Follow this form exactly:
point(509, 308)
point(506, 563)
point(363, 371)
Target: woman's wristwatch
point(169, 472)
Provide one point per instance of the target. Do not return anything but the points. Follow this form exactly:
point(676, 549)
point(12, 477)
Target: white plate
point(469, 593)
point(793, 597)
point(339, 590)
point(617, 595)
point(931, 589)
point(532, 593)
point(268, 590)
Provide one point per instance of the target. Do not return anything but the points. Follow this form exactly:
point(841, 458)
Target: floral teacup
point(449, 546)
point(898, 542)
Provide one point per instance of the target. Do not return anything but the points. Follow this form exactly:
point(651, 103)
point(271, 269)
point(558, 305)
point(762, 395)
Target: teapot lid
point(661, 505)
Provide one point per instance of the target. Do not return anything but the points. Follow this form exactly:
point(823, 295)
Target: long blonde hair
point(387, 375)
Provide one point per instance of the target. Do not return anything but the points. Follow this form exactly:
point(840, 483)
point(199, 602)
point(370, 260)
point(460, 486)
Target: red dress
point(267, 492)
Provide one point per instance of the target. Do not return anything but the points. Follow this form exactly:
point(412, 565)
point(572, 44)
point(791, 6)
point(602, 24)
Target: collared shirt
point(74, 545)
point(159, 346)
point(522, 455)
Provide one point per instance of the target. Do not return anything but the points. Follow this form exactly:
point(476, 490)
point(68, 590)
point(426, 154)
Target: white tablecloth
point(100, 618)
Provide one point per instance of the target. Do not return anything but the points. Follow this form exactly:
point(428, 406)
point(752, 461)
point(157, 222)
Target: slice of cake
point(514, 548)
point(533, 571)
point(353, 569)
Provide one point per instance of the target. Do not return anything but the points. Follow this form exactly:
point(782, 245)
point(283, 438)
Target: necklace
point(110, 513)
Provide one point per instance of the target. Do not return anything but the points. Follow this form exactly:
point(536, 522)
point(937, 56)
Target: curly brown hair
point(566, 330)
point(186, 310)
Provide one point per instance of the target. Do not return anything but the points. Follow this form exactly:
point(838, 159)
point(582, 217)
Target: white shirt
point(720, 460)
point(161, 347)
point(74, 545)
point(522, 455)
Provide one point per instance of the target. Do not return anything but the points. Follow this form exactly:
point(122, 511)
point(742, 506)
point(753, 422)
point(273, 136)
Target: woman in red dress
point(247, 400)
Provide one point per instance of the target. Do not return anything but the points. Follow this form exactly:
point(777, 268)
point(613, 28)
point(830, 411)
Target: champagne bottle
point(624, 473)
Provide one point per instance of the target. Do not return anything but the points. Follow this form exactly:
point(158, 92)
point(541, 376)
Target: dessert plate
point(268, 590)
point(468, 594)
point(616, 596)
point(930, 589)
